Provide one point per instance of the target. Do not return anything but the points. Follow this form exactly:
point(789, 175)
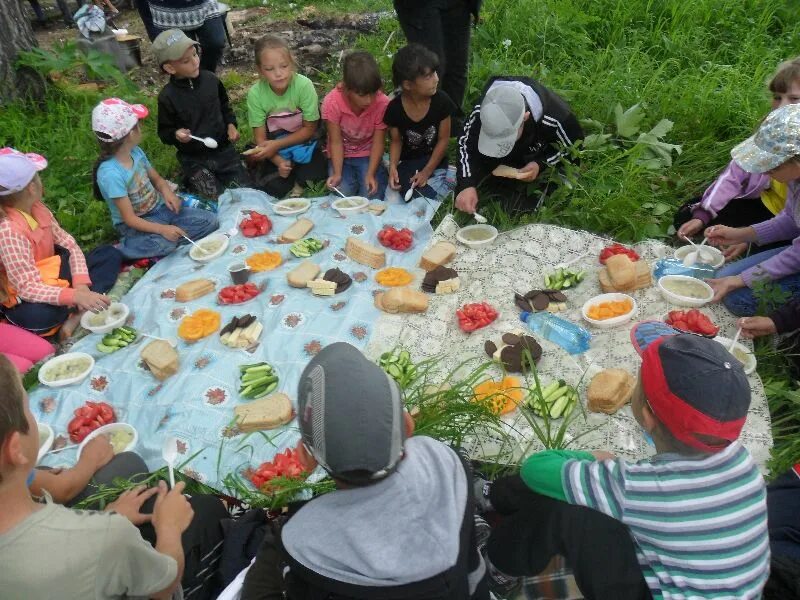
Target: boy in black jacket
point(195, 103)
point(400, 525)
point(519, 123)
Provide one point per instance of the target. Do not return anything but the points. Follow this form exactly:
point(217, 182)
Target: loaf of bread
point(296, 231)
point(437, 255)
point(643, 279)
point(621, 271)
point(191, 290)
point(402, 300)
point(609, 390)
point(160, 358)
point(364, 253)
point(506, 171)
point(267, 413)
point(302, 274)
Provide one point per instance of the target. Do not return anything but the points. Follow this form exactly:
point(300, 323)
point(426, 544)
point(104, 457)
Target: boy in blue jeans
point(689, 522)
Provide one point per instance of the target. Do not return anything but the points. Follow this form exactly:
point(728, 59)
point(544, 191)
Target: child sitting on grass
point(738, 198)
point(400, 523)
point(145, 210)
point(775, 151)
point(353, 112)
point(283, 110)
point(195, 103)
point(689, 522)
point(46, 283)
point(419, 121)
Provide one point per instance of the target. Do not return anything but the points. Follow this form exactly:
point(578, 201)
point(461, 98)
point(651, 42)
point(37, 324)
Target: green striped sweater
point(699, 525)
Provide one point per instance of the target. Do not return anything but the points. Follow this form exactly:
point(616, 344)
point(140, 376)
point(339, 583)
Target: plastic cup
point(240, 273)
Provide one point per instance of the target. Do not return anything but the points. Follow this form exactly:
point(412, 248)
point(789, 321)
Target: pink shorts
point(23, 348)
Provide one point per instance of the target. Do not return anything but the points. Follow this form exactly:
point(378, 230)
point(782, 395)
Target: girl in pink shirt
point(353, 112)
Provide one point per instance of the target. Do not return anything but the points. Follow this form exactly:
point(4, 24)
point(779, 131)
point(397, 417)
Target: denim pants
point(742, 302)
point(195, 222)
point(406, 169)
point(104, 263)
point(354, 173)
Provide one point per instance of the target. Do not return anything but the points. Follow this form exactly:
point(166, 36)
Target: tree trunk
point(15, 35)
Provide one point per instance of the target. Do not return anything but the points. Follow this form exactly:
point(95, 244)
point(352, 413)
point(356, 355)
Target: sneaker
point(500, 584)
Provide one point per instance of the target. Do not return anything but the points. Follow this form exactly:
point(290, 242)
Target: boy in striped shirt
point(689, 522)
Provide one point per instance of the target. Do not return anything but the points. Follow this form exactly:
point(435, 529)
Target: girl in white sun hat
point(144, 207)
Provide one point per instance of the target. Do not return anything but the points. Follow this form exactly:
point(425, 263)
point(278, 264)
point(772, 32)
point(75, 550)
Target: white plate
point(613, 321)
point(280, 208)
point(49, 436)
point(65, 358)
point(110, 324)
point(679, 300)
point(108, 430)
point(460, 235)
point(719, 258)
point(193, 252)
point(750, 364)
point(342, 205)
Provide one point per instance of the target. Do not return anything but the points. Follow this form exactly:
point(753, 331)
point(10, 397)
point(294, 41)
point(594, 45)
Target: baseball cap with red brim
point(694, 386)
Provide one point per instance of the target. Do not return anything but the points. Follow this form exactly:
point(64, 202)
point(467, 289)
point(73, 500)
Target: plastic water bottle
point(192, 201)
point(572, 338)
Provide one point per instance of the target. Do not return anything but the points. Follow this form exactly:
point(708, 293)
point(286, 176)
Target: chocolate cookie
point(340, 278)
point(436, 276)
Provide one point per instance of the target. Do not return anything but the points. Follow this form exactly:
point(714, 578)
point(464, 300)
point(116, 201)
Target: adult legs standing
point(147, 18)
point(211, 36)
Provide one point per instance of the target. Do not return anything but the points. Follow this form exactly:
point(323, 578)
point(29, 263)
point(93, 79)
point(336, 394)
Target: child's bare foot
point(69, 326)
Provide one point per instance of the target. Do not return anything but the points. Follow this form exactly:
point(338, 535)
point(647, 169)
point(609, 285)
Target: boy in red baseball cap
point(690, 521)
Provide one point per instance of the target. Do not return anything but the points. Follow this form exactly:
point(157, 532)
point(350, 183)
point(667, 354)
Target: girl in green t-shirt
point(283, 110)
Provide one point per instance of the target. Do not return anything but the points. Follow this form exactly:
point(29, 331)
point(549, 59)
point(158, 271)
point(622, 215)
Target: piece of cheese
point(322, 287)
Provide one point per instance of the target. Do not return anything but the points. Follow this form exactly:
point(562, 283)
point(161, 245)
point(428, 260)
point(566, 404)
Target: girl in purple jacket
point(738, 198)
point(774, 151)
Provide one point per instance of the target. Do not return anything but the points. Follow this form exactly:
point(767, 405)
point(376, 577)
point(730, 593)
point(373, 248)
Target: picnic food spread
point(65, 368)
point(119, 338)
point(302, 274)
point(305, 248)
point(692, 321)
point(441, 280)
point(437, 255)
point(338, 277)
point(621, 274)
point(89, 417)
point(617, 249)
point(364, 253)
point(264, 261)
point(514, 350)
point(557, 400)
point(475, 316)
point(285, 464)
point(255, 225)
point(297, 231)
point(393, 277)
point(562, 279)
point(241, 332)
point(395, 239)
point(502, 396)
point(237, 294)
point(401, 300)
point(257, 380)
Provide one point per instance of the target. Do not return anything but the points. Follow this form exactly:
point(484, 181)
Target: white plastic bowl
point(108, 430)
point(287, 208)
point(350, 205)
point(750, 363)
point(613, 321)
point(194, 254)
point(679, 300)
point(115, 307)
point(462, 235)
point(61, 359)
point(46, 437)
point(718, 257)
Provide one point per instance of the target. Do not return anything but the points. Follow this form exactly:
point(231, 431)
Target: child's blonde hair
point(787, 73)
point(273, 42)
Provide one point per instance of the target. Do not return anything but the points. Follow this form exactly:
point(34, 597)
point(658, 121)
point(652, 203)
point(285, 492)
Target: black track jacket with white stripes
point(551, 127)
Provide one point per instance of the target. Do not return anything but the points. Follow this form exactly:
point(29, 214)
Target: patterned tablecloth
point(196, 405)
point(518, 261)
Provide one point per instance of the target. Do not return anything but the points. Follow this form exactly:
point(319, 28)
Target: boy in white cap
point(145, 209)
point(195, 103)
point(45, 281)
point(399, 525)
point(518, 123)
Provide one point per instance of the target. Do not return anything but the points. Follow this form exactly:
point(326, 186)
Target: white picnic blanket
point(518, 260)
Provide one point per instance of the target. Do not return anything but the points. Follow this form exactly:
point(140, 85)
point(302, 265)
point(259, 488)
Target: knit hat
point(171, 45)
point(17, 169)
point(502, 113)
point(694, 386)
point(113, 118)
point(351, 415)
point(776, 141)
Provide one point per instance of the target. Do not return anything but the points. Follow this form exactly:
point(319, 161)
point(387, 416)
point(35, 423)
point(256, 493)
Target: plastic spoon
point(195, 244)
point(171, 341)
point(335, 189)
point(480, 218)
point(410, 191)
point(691, 257)
point(169, 452)
point(209, 142)
point(735, 339)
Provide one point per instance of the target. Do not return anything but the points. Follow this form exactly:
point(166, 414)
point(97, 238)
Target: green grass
point(702, 64)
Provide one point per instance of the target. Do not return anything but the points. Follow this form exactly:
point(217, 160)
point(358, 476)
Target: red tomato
point(615, 248)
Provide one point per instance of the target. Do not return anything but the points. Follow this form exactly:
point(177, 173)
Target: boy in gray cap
point(400, 524)
point(195, 103)
point(518, 123)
